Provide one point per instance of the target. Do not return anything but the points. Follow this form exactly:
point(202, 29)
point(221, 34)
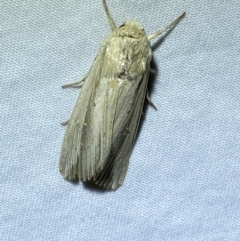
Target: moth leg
point(153, 71)
point(150, 101)
point(76, 84)
point(65, 123)
point(159, 32)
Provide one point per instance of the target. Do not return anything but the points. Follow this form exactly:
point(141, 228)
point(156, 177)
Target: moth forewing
point(102, 128)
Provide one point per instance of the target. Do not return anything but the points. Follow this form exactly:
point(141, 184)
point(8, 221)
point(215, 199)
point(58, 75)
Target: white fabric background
point(183, 181)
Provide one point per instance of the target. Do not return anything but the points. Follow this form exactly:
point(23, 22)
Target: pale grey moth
point(102, 128)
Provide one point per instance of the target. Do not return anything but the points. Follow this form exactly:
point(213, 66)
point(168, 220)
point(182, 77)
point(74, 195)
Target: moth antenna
point(110, 19)
point(159, 32)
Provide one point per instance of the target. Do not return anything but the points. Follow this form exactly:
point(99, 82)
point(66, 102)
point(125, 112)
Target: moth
point(102, 128)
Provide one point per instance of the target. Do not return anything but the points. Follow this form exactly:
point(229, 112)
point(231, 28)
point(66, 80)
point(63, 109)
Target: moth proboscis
point(102, 128)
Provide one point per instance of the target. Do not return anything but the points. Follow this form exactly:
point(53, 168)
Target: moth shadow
point(152, 77)
point(91, 186)
point(150, 89)
point(73, 182)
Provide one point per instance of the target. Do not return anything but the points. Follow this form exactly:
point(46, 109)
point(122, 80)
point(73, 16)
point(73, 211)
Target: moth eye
point(122, 25)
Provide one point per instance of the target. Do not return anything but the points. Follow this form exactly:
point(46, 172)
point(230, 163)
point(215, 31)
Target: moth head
point(131, 29)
